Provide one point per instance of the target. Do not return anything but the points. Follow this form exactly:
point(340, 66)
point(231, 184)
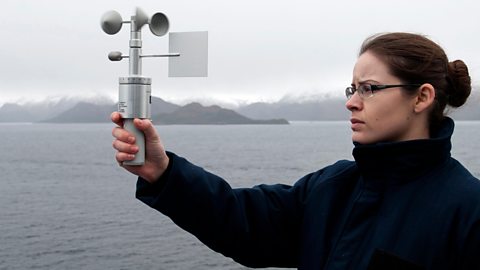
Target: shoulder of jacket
point(462, 178)
point(340, 171)
point(341, 167)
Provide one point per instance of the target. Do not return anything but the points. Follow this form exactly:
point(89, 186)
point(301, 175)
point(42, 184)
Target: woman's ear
point(424, 98)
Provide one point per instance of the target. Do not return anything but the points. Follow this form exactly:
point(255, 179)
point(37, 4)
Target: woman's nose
point(355, 103)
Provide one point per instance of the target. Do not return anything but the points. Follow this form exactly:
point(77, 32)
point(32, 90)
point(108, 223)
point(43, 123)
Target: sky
point(259, 50)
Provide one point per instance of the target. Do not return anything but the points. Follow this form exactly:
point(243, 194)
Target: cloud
point(257, 50)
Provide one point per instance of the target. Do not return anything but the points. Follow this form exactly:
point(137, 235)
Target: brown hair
point(415, 59)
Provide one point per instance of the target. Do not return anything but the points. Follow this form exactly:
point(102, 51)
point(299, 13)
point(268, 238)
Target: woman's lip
point(356, 121)
point(356, 124)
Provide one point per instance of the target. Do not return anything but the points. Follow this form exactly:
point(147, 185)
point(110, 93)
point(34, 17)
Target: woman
point(404, 203)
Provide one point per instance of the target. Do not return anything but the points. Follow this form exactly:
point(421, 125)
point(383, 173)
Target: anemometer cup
point(111, 22)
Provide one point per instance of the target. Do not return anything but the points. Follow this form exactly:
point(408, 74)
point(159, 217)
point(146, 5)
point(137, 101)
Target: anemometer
point(188, 57)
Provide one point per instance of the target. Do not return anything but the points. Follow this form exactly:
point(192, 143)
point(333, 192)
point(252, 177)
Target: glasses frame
point(351, 90)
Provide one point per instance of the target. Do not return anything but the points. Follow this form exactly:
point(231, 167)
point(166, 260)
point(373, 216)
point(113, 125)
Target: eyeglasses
point(367, 90)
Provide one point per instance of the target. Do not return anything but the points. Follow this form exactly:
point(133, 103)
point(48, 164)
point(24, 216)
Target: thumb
point(146, 126)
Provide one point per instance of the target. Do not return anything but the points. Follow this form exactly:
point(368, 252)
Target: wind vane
point(188, 57)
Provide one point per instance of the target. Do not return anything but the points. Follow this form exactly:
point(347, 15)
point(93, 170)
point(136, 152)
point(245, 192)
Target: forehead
point(370, 68)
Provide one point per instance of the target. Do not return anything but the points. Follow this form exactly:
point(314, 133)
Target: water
point(65, 203)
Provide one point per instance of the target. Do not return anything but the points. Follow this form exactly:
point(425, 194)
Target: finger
point(124, 147)
point(148, 129)
point(121, 157)
point(117, 118)
point(123, 135)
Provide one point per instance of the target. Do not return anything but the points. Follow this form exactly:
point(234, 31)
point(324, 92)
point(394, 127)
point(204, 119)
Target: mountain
point(35, 111)
point(10, 112)
point(325, 109)
point(161, 106)
point(84, 112)
point(196, 114)
point(162, 113)
point(71, 110)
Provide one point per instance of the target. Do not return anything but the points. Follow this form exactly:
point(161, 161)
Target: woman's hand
point(156, 160)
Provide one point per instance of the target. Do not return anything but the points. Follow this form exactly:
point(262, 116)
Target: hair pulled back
point(415, 59)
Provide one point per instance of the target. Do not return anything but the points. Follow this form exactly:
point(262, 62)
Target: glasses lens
point(349, 91)
point(365, 90)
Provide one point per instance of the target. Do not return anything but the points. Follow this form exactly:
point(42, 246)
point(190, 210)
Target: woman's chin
point(360, 138)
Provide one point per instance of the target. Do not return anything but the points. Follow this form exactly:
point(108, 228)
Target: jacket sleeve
point(257, 227)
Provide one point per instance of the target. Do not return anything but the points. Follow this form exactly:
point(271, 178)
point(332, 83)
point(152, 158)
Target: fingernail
point(134, 148)
point(131, 139)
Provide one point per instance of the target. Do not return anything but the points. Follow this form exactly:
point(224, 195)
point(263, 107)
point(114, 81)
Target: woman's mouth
point(356, 123)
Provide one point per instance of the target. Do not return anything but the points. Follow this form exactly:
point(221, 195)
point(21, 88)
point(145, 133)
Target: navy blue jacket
point(404, 205)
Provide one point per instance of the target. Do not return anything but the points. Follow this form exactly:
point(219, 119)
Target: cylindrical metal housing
point(134, 97)
point(134, 101)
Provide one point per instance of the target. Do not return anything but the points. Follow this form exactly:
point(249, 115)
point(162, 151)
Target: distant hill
point(321, 110)
point(161, 106)
point(70, 110)
point(10, 112)
point(162, 113)
point(85, 112)
point(196, 114)
point(35, 111)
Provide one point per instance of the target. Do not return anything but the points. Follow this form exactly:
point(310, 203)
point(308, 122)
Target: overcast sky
point(258, 49)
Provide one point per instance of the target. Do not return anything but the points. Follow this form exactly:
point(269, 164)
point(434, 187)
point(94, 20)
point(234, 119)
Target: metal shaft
point(135, 93)
point(135, 62)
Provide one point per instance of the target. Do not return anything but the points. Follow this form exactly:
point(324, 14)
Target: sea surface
point(66, 204)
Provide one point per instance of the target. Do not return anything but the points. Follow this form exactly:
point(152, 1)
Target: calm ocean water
point(65, 204)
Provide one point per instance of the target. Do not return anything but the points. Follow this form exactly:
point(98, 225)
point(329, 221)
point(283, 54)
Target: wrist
point(157, 170)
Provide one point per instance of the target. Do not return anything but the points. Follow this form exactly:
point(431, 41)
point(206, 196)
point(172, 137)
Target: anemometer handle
point(139, 141)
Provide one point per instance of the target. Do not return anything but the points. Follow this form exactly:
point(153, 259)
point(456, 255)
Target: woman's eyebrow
point(368, 81)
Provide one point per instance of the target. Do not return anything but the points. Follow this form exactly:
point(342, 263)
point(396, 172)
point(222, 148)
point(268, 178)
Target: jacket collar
point(397, 162)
